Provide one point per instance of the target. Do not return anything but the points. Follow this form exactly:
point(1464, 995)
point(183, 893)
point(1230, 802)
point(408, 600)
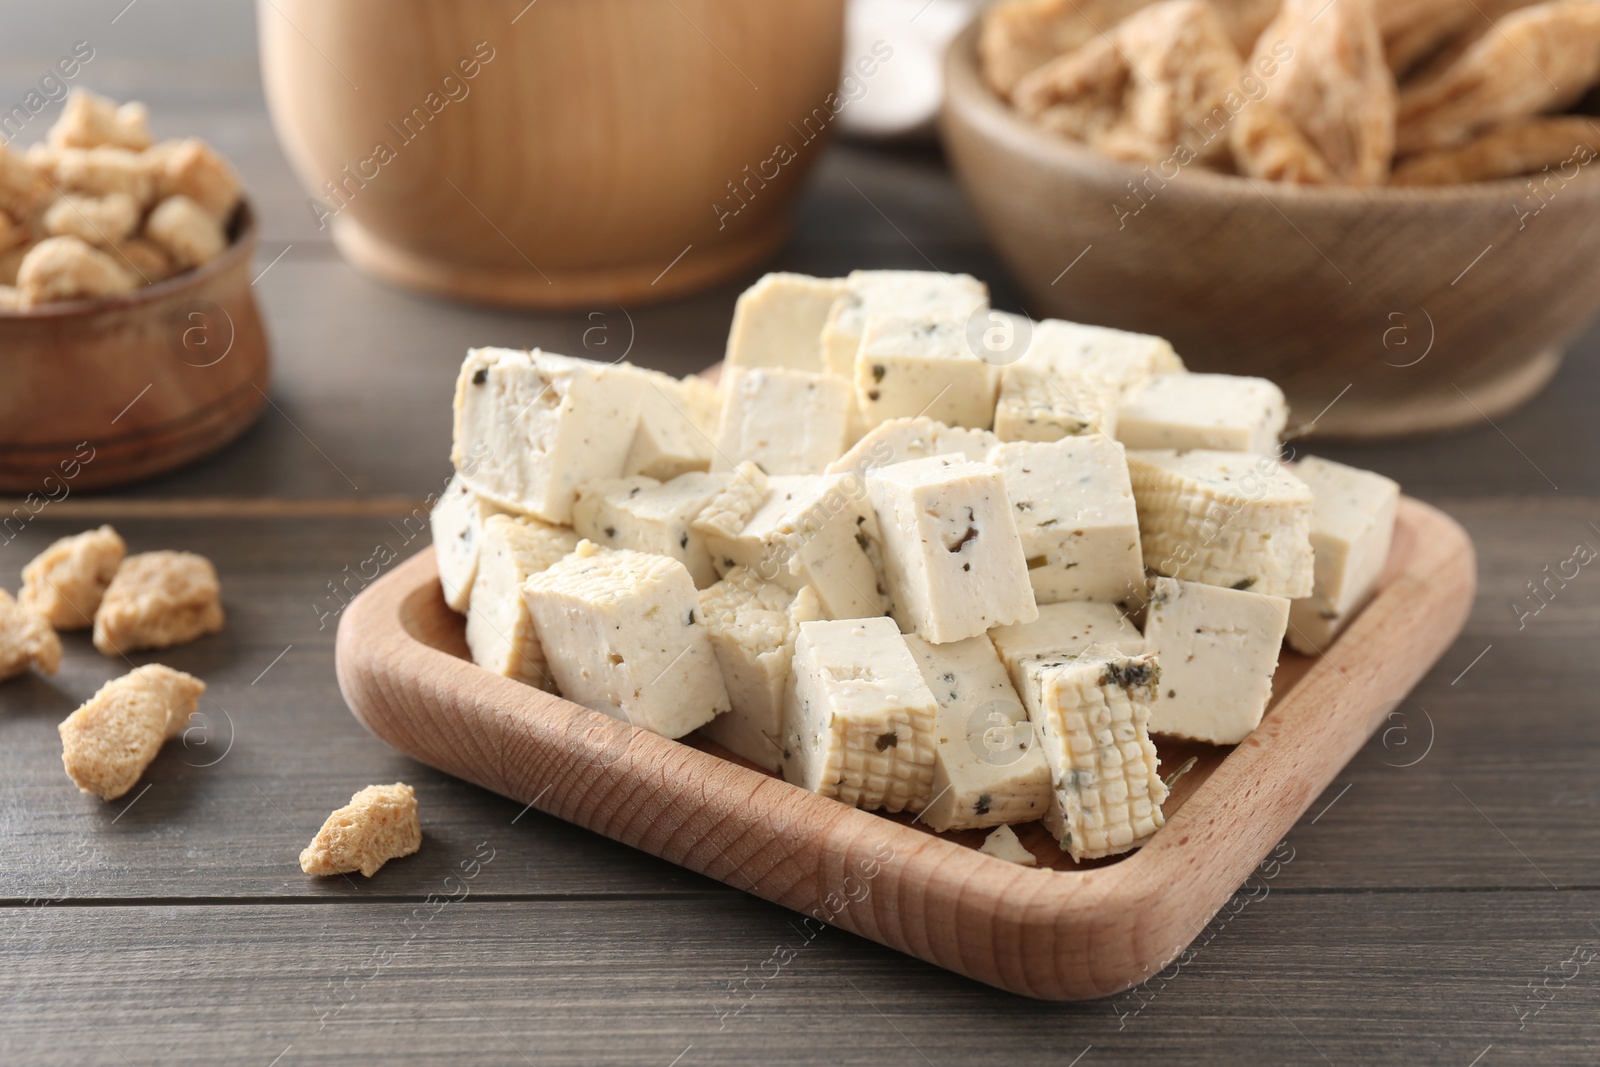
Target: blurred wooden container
point(601, 150)
point(95, 393)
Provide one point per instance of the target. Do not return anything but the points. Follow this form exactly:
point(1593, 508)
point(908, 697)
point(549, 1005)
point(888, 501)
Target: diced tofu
point(810, 530)
point(650, 516)
point(1038, 403)
point(1218, 649)
point(1064, 629)
point(874, 293)
point(1352, 525)
point(778, 322)
point(1073, 350)
point(726, 513)
point(531, 428)
point(457, 521)
point(500, 631)
point(753, 625)
point(66, 581)
point(1093, 712)
point(785, 421)
point(1003, 844)
point(988, 766)
point(1221, 412)
point(908, 367)
point(1073, 503)
point(677, 423)
point(622, 635)
point(1224, 518)
point(861, 719)
point(900, 440)
point(952, 557)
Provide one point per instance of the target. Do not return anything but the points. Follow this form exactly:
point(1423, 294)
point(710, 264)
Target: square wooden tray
point(1060, 931)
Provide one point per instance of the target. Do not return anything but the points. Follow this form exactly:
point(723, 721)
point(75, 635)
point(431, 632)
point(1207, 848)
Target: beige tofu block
point(378, 825)
point(66, 268)
point(1064, 629)
point(66, 581)
point(1005, 845)
point(105, 221)
point(901, 440)
point(457, 521)
point(1073, 351)
point(185, 231)
point(26, 640)
point(785, 421)
point(500, 631)
point(874, 293)
point(194, 169)
point(650, 516)
point(108, 742)
point(1352, 527)
point(1222, 412)
point(156, 600)
point(677, 425)
point(908, 366)
point(726, 514)
point(90, 121)
point(1037, 403)
point(778, 322)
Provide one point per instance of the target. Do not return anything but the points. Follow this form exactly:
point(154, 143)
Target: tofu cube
point(1004, 844)
point(785, 421)
point(922, 366)
point(1224, 518)
point(457, 521)
point(500, 631)
point(861, 719)
point(622, 636)
point(1073, 503)
point(677, 424)
point(753, 625)
point(1092, 711)
point(900, 440)
point(1221, 412)
point(1064, 629)
point(778, 322)
point(1076, 352)
point(988, 766)
point(1352, 526)
point(650, 516)
point(1038, 403)
point(875, 293)
point(531, 428)
point(952, 557)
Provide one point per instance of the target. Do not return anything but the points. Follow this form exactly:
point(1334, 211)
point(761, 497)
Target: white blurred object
point(893, 77)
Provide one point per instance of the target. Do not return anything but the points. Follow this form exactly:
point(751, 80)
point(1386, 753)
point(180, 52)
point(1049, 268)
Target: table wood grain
point(1437, 898)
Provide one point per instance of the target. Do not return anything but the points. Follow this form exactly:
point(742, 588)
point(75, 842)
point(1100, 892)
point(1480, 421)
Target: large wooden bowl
point(602, 150)
point(95, 393)
point(1435, 306)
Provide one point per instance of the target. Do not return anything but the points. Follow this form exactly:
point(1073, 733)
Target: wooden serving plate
point(1060, 931)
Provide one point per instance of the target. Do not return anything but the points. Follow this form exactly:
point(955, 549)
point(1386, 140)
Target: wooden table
point(1449, 872)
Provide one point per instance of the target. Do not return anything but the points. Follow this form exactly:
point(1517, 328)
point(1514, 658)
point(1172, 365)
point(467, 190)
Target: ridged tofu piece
point(66, 581)
point(532, 427)
point(1352, 527)
point(726, 513)
point(1222, 412)
point(809, 530)
point(650, 516)
point(457, 521)
point(902, 440)
point(1038, 403)
point(861, 720)
point(778, 322)
point(677, 423)
point(108, 742)
point(622, 634)
point(951, 554)
point(1073, 503)
point(785, 421)
point(1004, 844)
point(1093, 711)
point(1218, 649)
point(1064, 629)
point(988, 765)
point(26, 640)
point(753, 625)
point(909, 366)
point(872, 294)
point(500, 631)
point(1224, 518)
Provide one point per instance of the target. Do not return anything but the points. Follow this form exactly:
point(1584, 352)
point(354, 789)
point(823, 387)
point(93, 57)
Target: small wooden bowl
point(1435, 307)
point(95, 393)
point(609, 151)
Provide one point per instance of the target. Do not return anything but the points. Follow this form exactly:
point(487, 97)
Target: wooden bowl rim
point(964, 87)
point(245, 233)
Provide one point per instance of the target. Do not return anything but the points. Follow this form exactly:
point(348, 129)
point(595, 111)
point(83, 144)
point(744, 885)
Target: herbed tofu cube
point(861, 719)
point(1224, 518)
point(988, 767)
point(952, 557)
point(1352, 527)
point(1092, 712)
point(1218, 649)
point(1038, 403)
point(872, 294)
point(778, 322)
point(1222, 412)
point(531, 428)
point(457, 521)
point(677, 424)
point(650, 516)
point(753, 625)
point(1073, 503)
point(785, 421)
point(908, 367)
point(1073, 351)
point(901, 440)
point(1004, 844)
point(500, 631)
point(622, 635)
point(1064, 629)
